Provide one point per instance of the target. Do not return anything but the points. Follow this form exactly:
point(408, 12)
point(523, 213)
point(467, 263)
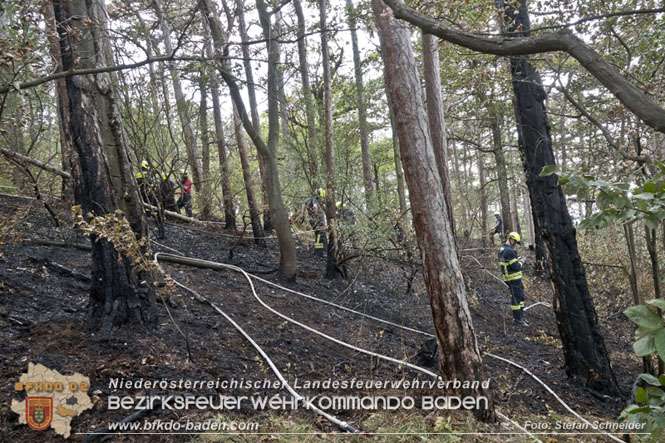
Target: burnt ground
point(43, 311)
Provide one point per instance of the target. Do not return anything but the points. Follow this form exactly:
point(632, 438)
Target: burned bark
point(102, 174)
point(583, 347)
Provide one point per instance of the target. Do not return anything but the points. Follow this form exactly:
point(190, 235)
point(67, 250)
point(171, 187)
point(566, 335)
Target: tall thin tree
point(441, 268)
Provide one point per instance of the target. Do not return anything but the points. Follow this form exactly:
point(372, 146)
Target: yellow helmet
point(321, 193)
point(515, 236)
point(145, 165)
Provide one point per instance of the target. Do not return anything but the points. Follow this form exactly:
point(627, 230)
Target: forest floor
point(43, 313)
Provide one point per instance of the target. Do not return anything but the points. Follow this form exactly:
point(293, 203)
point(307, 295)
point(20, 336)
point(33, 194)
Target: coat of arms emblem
point(39, 412)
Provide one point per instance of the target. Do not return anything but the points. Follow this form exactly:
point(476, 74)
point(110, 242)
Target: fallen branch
point(19, 157)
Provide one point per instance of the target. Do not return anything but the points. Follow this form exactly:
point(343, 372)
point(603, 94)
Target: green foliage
point(649, 339)
point(617, 202)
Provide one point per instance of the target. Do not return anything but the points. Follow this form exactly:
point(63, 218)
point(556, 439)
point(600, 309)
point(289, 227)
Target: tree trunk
point(227, 194)
point(651, 236)
point(437, 126)
point(441, 268)
point(515, 211)
point(66, 143)
point(310, 112)
point(584, 350)
point(283, 107)
point(181, 106)
point(501, 171)
point(288, 265)
point(331, 209)
point(102, 173)
point(206, 189)
point(483, 196)
point(254, 213)
point(528, 218)
point(399, 172)
point(360, 100)
point(253, 109)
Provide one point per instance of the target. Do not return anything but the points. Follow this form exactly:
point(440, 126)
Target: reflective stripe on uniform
point(516, 307)
point(507, 276)
point(319, 242)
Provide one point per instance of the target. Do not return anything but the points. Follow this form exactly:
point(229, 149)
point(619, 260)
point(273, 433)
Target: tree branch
point(627, 93)
point(19, 157)
point(71, 72)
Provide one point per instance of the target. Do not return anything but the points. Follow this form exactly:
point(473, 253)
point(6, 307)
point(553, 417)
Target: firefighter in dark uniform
point(511, 269)
point(318, 221)
point(497, 228)
point(144, 182)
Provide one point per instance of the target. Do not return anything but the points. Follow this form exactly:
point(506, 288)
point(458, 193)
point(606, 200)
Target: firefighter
point(318, 221)
point(144, 182)
point(497, 228)
point(167, 193)
point(185, 199)
point(511, 269)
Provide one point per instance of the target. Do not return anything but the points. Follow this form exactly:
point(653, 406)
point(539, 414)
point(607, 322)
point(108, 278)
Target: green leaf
point(641, 395)
point(659, 342)
point(644, 346)
point(655, 392)
point(661, 379)
point(644, 316)
point(650, 379)
point(657, 302)
point(548, 170)
point(649, 187)
point(644, 196)
point(652, 221)
point(563, 180)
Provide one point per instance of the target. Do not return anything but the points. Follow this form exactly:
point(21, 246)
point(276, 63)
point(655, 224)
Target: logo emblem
point(39, 412)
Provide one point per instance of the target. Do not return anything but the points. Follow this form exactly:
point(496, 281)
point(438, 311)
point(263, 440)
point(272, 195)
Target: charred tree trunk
point(441, 268)
point(583, 347)
point(102, 173)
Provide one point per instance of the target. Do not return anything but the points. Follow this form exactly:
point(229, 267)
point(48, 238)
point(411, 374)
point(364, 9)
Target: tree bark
point(66, 143)
point(584, 349)
point(360, 100)
point(441, 268)
point(102, 173)
point(399, 172)
point(437, 126)
point(254, 213)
